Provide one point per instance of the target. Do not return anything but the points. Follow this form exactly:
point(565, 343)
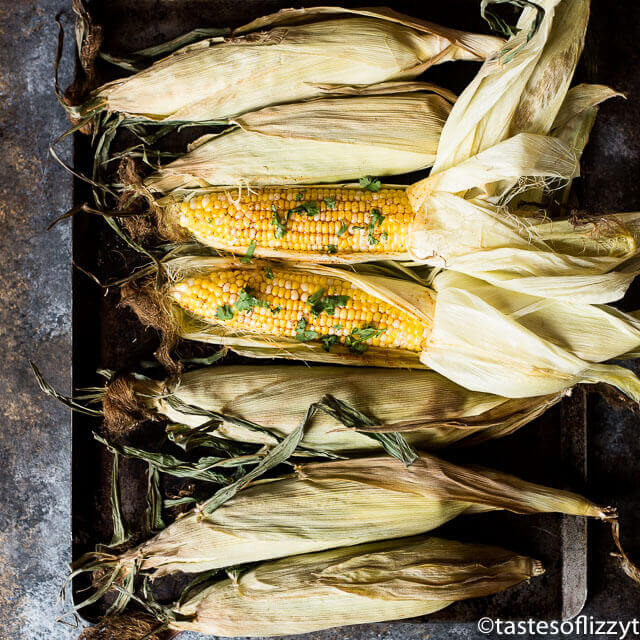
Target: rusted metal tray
point(552, 450)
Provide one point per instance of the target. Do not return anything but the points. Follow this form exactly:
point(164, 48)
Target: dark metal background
point(35, 323)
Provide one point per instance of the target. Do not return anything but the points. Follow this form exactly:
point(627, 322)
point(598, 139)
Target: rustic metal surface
point(35, 322)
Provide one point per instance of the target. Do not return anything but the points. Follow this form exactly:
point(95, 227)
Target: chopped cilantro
point(331, 249)
point(277, 309)
point(302, 335)
point(224, 312)
point(310, 208)
point(330, 202)
point(268, 273)
point(280, 225)
point(376, 220)
point(337, 327)
point(370, 184)
point(343, 229)
point(299, 195)
point(250, 251)
point(319, 303)
point(327, 341)
point(247, 301)
point(357, 341)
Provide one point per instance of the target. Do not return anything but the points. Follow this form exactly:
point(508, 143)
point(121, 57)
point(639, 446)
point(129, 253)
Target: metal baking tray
point(551, 450)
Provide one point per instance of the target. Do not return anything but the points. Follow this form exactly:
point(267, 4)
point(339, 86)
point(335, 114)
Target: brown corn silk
point(387, 580)
point(329, 505)
point(286, 57)
point(429, 410)
point(382, 130)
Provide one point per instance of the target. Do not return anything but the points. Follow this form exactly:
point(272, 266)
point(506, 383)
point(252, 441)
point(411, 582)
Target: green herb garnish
point(327, 341)
point(370, 184)
point(247, 301)
point(357, 341)
point(319, 303)
point(330, 202)
point(310, 208)
point(299, 196)
point(280, 225)
point(225, 312)
point(343, 229)
point(302, 335)
point(250, 251)
point(268, 273)
point(376, 220)
point(331, 249)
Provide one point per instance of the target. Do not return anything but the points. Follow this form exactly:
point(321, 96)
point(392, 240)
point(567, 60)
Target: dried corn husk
point(354, 585)
point(384, 131)
point(482, 337)
point(329, 505)
point(521, 89)
point(431, 412)
point(282, 58)
point(495, 152)
point(516, 356)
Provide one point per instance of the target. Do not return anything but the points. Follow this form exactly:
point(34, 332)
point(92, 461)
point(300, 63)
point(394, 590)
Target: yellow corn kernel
point(325, 221)
point(277, 306)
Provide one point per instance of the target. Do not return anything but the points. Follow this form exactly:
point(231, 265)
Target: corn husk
point(334, 504)
point(367, 583)
point(521, 89)
point(283, 58)
point(431, 412)
point(483, 342)
point(384, 131)
point(514, 131)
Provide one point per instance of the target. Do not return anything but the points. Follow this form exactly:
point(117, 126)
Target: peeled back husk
point(367, 583)
point(514, 133)
point(382, 131)
point(284, 58)
point(429, 410)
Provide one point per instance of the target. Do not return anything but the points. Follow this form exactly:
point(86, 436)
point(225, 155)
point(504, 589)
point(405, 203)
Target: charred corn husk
point(367, 583)
point(285, 57)
point(513, 132)
point(382, 130)
point(329, 505)
point(477, 335)
point(429, 410)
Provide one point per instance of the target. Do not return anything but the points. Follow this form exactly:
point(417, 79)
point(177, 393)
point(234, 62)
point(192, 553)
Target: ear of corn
point(428, 409)
point(520, 346)
point(354, 585)
point(219, 78)
point(328, 224)
point(300, 311)
point(335, 504)
point(332, 139)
